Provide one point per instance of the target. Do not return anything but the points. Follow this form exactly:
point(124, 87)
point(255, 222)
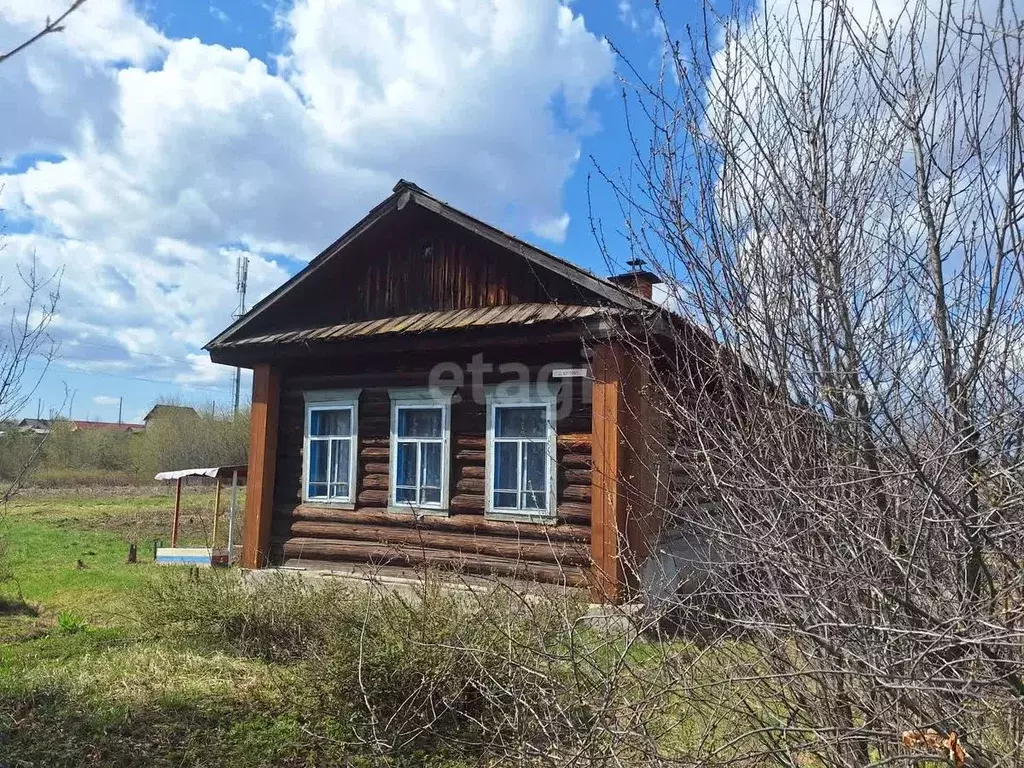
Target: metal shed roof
point(221, 472)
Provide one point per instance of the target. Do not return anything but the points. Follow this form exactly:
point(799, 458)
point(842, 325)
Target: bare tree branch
point(49, 28)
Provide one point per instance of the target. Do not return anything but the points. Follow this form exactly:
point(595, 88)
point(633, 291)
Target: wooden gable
point(414, 254)
point(415, 261)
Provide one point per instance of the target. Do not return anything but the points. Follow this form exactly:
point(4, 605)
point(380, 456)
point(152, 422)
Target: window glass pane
point(430, 496)
point(504, 500)
point(334, 423)
point(339, 460)
point(317, 490)
point(505, 466)
point(520, 422)
point(318, 461)
point(535, 467)
point(405, 467)
point(534, 501)
point(430, 465)
point(405, 495)
point(419, 422)
point(339, 491)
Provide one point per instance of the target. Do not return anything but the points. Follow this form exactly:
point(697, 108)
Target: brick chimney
point(638, 280)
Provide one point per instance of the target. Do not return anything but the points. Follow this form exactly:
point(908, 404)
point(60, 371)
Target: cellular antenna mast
point(241, 280)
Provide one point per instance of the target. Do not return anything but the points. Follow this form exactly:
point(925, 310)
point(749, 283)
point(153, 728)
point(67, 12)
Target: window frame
point(421, 398)
point(533, 397)
point(328, 400)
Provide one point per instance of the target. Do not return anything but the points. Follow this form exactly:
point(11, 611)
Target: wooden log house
point(432, 391)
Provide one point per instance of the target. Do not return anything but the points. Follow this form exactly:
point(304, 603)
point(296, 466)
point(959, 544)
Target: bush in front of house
point(482, 674)
point(435, 671)
point(277, 617)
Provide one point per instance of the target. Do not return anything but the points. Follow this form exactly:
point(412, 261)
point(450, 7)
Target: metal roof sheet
point(177, 474)
point(421, 322)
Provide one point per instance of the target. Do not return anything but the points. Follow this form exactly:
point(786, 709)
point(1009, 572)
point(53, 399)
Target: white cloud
point(170, 153)
point(64, 85)
point(219, 14)
point(105, 400)
point(626, 15)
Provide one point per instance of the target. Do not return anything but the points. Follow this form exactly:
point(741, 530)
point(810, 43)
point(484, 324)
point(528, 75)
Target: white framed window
point(521, 454)
point(331, 445)
point(420, 449)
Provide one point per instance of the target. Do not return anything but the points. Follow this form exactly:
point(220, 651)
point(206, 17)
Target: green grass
point(84, 682)
point(69, 551)
point(132, 514)
point(108, 697)
point(46, 561)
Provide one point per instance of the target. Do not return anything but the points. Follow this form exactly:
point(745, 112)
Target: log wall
point(464, 540)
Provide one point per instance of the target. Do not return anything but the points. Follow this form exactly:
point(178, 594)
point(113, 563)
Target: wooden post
point(644, 447)
point(231, 516)
point(624, 480)
point(607, 503)
point(176, 521)
point(216, 514)
point(259, 498)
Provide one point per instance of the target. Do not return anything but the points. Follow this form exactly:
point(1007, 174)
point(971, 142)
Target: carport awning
point(219, 472)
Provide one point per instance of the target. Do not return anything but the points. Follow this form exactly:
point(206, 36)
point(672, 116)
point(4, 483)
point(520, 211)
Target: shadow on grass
point(10, 606)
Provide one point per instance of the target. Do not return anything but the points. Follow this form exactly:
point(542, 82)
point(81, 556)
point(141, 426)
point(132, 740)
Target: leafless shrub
point(833, 194)
point(484, 677)
point(26, 350)
point(30, 308)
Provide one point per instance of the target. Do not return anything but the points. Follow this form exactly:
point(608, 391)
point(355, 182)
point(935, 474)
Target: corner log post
point(624, 482)
point(259, 497)
point(607, 504)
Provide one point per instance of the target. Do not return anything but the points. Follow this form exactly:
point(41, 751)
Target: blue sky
point(154, 142)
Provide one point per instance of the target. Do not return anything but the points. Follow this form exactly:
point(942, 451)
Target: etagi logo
point(513, 381)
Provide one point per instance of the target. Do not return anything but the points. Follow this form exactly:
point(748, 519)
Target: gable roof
point(156, 410)
point(34, 424)
point(405, 194)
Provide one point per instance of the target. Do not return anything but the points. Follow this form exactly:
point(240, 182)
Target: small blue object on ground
point(202, 556)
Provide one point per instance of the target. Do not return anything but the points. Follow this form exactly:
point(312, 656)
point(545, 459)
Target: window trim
point(329, 399)
point(431, 397)
point(535, 396)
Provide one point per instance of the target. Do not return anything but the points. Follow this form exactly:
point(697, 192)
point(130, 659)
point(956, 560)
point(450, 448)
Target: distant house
point(373, 446)
point(105, 426)
point(36, 426)
point(165, 411)
point(44, 426)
